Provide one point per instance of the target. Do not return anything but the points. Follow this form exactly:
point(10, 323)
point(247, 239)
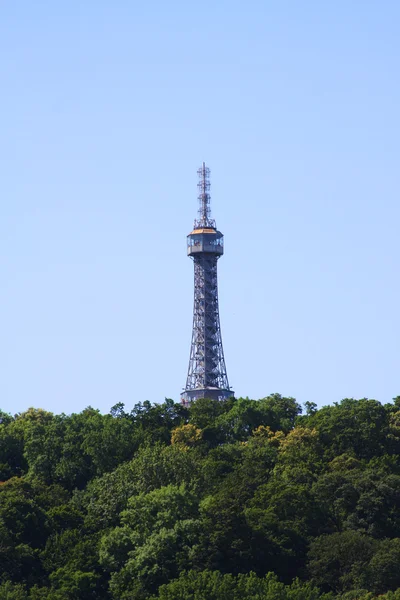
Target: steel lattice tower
point(207, 376)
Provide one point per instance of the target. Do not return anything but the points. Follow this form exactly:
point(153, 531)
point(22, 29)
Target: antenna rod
point(204, 198)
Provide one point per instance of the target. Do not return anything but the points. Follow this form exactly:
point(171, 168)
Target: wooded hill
point(231, 500)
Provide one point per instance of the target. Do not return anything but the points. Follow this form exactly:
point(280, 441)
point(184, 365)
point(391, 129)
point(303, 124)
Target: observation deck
point(205, 240)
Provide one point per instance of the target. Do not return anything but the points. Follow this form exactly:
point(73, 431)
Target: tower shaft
point(207, 377)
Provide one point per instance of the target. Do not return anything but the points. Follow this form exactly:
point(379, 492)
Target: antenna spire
point(204, 197)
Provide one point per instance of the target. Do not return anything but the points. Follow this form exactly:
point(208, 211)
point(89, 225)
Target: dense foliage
point(230, 500)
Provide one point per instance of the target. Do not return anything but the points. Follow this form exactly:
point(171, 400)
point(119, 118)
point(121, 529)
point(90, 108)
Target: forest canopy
point(241, 499)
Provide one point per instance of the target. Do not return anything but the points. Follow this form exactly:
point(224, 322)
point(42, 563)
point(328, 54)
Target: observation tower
point(206, 376)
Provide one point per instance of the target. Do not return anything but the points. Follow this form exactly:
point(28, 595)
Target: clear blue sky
point(108, 108)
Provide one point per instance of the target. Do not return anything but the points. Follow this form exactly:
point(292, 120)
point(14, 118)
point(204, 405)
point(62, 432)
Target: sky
point(107, 109)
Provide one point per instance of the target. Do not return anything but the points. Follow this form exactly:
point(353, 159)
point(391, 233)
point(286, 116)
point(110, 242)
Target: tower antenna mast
point(204, 197)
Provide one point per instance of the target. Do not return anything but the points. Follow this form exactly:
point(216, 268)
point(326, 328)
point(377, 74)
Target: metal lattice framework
point(207, 377)
point(204, 198)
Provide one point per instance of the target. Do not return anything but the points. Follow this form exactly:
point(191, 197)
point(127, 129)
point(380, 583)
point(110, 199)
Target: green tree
point(339, 561)
point(23, 531)
point(155, 541)
point(383, 571)
point(151, 468)
point(12, 460)
point(358, 427)
point(13, 591)
point(212, 585)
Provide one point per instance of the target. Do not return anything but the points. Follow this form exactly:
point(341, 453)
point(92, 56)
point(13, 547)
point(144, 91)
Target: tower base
point(189, 396)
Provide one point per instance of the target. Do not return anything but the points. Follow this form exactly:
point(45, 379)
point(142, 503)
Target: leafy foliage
point(222, 500)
